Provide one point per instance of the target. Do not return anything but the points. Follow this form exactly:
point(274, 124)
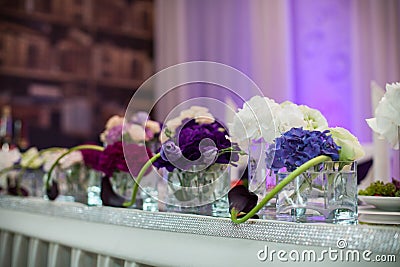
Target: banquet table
point(37, 232)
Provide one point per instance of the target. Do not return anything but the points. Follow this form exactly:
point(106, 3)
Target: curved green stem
point(139, 178)
point(41, 152)
point(278, 188)
point(76, 148)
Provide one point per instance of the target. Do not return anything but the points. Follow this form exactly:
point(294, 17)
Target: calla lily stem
point(76, 148)
point(139, 178)
point(277, 188)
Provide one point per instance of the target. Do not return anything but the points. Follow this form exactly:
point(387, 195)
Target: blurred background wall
point(320, 53)
point(66, 66)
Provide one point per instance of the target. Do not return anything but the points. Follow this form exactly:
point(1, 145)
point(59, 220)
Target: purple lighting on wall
point(321, 50)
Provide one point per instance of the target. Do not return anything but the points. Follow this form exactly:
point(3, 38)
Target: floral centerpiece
point(387, 115)
point(386, 123)
point(298, 142)
point(137, 129)
point(24, 171)
point(195, 154)
point(125, 150)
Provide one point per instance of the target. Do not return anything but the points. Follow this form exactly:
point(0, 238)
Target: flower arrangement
point(297, 146)
point(135, 137)
point(262, 117)
point(137, 129)
point(386, 122)
point(298, 138)
point(197, 140)
point(18, 163)
point(193, 144)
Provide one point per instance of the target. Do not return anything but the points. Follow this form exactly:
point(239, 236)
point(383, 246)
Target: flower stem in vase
point(52, 191)
point(298, 171)
point(108, 196)
point(139, 178)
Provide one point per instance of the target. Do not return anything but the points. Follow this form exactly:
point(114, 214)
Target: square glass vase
point(326, 193)
point(199, 191)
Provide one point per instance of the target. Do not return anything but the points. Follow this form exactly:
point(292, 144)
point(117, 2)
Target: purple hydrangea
point(297, 146)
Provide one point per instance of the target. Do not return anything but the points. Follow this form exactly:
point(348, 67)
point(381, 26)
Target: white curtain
point(320, 53)
point(376, 56)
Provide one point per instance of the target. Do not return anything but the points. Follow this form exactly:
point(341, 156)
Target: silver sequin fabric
point(379, 239)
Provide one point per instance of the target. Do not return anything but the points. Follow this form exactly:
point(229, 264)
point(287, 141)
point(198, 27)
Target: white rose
point(314, 119)
point(31, 159)
point(351, 148)
point(71, 159)
point(201, 115)
point(205, 118)
point(387, 115)
point(257, 119)
point(243, 128)
point(9, 158)
point(50, 158)
point(290, 116)
point(173, 124)
point(153, 126)
point(103, 136)
point(136, 133)
point(187, 113)
point(114, 121)
point(199, 109)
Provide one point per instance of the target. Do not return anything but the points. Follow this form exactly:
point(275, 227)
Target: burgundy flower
point(91, 158)
point(112, 159)
point(136, 156)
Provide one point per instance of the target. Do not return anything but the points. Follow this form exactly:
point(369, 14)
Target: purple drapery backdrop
point(320, 53)
point(202, 39)
point(320, 48)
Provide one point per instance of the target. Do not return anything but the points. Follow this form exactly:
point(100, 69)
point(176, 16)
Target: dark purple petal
point(53, 192)
point(241, 199)
point(108, 196)
point(188, 137)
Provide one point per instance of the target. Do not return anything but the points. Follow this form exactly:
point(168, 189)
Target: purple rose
point(189, 137)
point(170, 151)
